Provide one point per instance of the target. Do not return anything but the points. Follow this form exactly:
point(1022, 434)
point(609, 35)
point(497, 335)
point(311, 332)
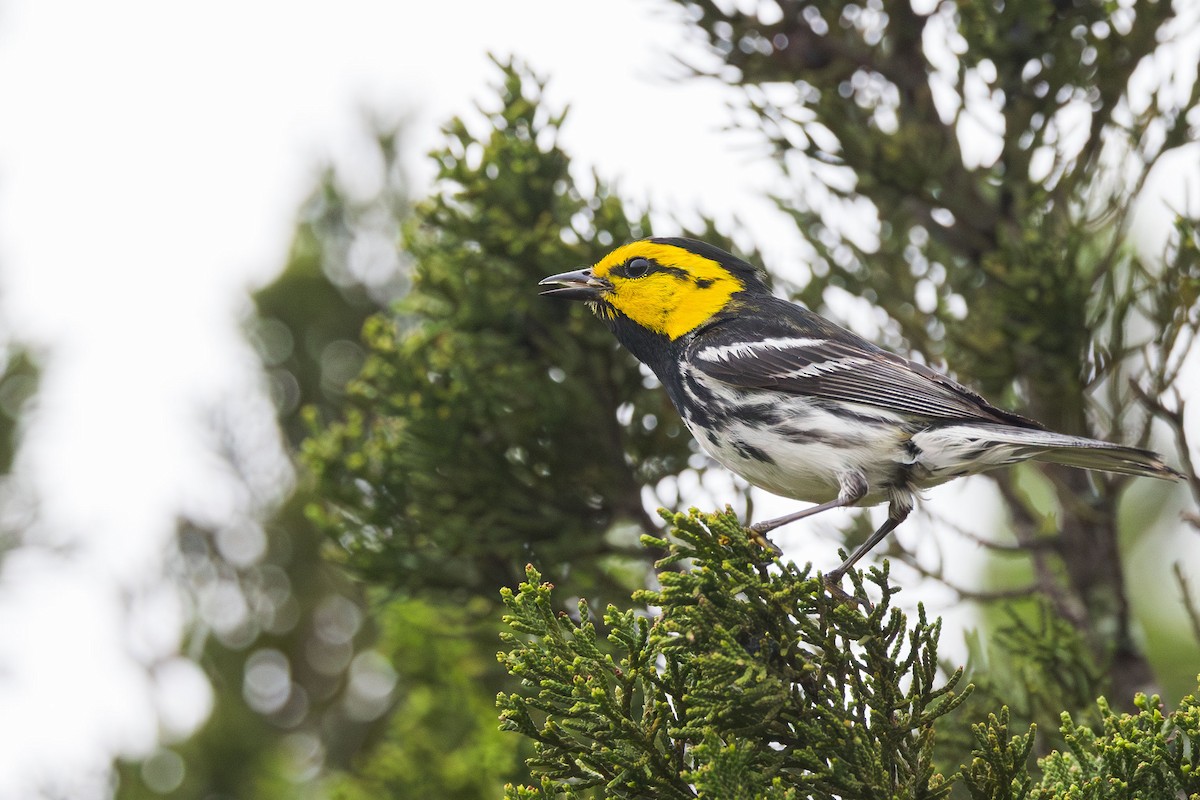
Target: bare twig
point(1189, 603)
point(1019, 547)
point(1174, 418)
point(1064, 602)
point(980, 596)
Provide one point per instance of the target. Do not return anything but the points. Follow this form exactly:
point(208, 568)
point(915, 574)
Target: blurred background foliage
point(451, 427)
point(18, 386)
point(477, 437)
point(286, 636)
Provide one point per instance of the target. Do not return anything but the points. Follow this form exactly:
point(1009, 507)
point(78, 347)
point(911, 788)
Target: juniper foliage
point(489, 427)
point(1000, 767)
point(735, 680)
point(750, 682)
point(1134, 755)
point(1128, 756)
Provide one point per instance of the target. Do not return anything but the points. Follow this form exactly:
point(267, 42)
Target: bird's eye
point(637, 267)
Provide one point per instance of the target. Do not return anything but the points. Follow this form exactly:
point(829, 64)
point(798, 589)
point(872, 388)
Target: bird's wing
point(841, 367)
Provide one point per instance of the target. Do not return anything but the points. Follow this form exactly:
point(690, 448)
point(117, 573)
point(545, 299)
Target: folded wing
point(842, 368)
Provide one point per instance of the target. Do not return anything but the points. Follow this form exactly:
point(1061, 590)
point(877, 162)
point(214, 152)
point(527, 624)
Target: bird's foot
point(760, 539)
point(833, 584)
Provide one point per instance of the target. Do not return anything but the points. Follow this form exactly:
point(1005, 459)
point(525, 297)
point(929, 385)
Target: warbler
point(800, 406)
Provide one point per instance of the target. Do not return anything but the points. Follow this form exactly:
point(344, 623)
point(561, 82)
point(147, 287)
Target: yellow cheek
point(694, 309)
point(670, 305)
point(647, 303)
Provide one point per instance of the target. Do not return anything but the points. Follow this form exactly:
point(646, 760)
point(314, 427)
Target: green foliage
point(1143, 754)
point(441, 738)
point(18, 383)
point(748, 682)
point(999, 769)
point(498, 364)
point(306, 331)
point(738, 681)
point(309, 319)
point(1136, 755)
point(301, 619)
point(1017, 227)
point(490, 426)
point(1035, 665)
point(19, 377)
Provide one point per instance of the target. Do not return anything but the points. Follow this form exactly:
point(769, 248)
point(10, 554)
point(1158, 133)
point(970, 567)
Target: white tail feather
point(963, 449)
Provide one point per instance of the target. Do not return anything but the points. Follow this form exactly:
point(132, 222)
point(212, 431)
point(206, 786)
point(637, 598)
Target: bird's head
point(668, 286)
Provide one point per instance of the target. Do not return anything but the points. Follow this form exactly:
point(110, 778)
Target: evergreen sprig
point(748, 682)
point(1145, 754)
point(999, 769)
point(1135, 756)
point(740, 678)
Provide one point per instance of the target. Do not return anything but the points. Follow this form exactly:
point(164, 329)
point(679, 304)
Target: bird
point(800, 406)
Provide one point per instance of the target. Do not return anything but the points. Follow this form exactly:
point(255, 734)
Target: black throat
point(654, 350)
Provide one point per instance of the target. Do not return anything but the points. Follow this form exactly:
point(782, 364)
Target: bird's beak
point(578, 285)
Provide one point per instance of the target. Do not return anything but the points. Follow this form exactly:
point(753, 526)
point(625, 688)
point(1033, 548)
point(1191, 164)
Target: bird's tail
point(1078, 451)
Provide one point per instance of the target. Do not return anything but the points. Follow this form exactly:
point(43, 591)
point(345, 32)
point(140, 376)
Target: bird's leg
point(897, 513)
point(768, 525)
point(853, 489)
point(758, 531)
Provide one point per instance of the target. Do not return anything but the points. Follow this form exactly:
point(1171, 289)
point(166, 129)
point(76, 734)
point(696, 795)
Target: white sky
point(152, 158)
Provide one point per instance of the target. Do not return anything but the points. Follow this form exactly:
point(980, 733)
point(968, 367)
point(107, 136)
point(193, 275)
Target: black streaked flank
point(749, 451)
point(767, 414)
point(797, 435)
point(840, 410)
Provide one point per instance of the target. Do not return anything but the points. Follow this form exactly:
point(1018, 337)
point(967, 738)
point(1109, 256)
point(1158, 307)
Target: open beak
point(577, 285)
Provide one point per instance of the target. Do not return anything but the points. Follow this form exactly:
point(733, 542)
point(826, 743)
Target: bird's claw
point(833, 585)
point(760, 539)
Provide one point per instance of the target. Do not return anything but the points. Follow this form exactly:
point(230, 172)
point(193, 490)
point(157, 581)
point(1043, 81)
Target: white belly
point(803, 455)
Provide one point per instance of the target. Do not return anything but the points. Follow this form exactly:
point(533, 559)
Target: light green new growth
point(749, 683)
point(735, 680)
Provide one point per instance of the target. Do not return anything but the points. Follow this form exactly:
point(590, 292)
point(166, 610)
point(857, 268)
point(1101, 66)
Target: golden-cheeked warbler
point(800, 406)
